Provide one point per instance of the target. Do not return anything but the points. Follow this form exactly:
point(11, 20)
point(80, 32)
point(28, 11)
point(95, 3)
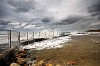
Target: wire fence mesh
point(14, 38)
point(23, 36)
point(11, 38)
point(4, 39)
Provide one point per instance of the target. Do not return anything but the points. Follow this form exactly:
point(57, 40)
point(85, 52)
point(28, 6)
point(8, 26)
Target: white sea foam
point(48, 44)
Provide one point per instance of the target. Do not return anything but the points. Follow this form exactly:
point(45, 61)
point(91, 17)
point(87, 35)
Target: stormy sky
point(60, 15)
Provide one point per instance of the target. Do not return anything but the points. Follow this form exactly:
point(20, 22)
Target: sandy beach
point(83, 50)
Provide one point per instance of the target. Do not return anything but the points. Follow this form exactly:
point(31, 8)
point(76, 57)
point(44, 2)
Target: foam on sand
point(48, 44)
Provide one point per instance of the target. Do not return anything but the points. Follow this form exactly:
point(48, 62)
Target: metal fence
point(4, 39)
point(8, 39)
point(11, 38)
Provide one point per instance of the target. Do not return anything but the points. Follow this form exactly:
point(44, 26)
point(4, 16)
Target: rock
point(14, 64)
point(71, 62)
point(25, 64)
point(57, 65)
point(49, 64)
point(22, 51)
point(21, 61)
point(41, 62)
point(30, 63)
point(17, 55)
point(21, 55)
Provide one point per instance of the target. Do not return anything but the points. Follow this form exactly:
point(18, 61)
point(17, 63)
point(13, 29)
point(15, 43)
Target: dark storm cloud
point(23, 10)
point(22, 5)
point(46, 20)
point(97, 26)
point(3, 8)
point(70, 20)
point(95, 9)
point(3, 29)
point(3, 22)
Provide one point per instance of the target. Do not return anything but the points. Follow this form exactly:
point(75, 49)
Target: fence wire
point(14, 38)
point(11, 38)
point(4, 39)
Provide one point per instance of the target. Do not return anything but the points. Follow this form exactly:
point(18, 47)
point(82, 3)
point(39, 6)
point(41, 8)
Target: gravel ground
point(83, 50)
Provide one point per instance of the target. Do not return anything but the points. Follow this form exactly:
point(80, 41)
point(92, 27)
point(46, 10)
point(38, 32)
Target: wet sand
point(83, 50)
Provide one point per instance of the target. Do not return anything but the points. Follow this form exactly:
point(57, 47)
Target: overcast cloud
point(62, 15)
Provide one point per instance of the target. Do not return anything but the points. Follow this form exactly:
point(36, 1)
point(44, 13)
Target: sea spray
point(48, 44)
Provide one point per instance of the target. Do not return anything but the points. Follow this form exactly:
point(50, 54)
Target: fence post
point(27, 36)
point(45, 35)
point(10, 38)
point(33, 35)
point(53, 34)
point(19, 37)
point(39, 35)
